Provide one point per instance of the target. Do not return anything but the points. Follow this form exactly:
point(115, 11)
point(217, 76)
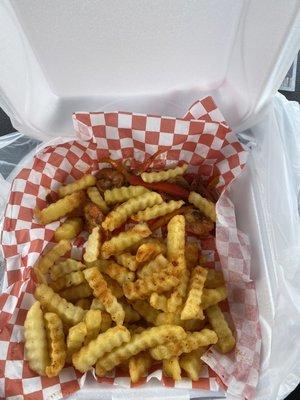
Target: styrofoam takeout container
point(159, 57)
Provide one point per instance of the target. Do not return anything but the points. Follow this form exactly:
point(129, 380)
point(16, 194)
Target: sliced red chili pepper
point(117, 165)
point(167, 187)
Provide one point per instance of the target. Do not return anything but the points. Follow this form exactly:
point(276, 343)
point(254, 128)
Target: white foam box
point(158, 57)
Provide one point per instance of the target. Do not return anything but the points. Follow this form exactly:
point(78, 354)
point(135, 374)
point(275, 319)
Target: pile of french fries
point(136, 297)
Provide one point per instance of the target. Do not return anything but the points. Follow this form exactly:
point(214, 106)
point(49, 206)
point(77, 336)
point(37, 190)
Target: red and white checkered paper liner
point(202, 139)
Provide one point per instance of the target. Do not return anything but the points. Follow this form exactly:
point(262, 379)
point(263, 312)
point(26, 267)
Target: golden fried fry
point(102, 292)
point(176, 240)
point(172, 368)
point(48, 259)
point(147, 251)
point(158, 282)
point(36, 347)
point(174, 319)
point(60, 208)
point(139, 365)
point(130, 314)
point(92, 319)
point(192, 364)
point(127, 260)
point(157, 211)
point(74, 293)
point(213, 279)
point(159, 301)
point(87, 356)
point(205, 206)
point(72, 279)
point(75, 339)
point(124, 211)
point(150, 337)
point(82, 183)
point(53, 302)
point(191, 255)
point(146, 311)
point(93, 246)
point(158, 176)
point(210, 297)
point(119, 273)
point(57, 346)
point(113, 286)
point(85, 304)
point(159, 264)
point(124, 240)
point(192, 342)
point(226, 340)
point(65, 267)
point(192, 307)
point(95, 196)
point(69, 229)
point(106, 321)
point(178, 295)
point(124, 193)
point(97, 305)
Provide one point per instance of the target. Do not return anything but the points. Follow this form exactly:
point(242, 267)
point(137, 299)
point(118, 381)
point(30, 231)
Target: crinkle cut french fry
point(57, 346)
point(65, 267)
point(119, 273)
point(159, 176)
point(60, 208)
point(210, 297)
point(226, 340)
point(80, 184)
point(92, 319)
point(124, 240)
point(128, 261)
point(192, 307)
point(191, 255)
point(87, 356)
point(176, 239)
point(36, 346)
point(74, 293)
point(148, 251)
point(53, 302)
point(121, 213)
point(106, 321)
point(72, 279)
point(102, 292)
point(124, 193)
point(192, 364)
point(146, 311)
point(95, 196)
point(169, 318)
point(139, 365)
point(159, 301)
point(205, 206)
point(157, 210)
point(97, 305)
point(130, 314)
point(48, 259)
point(139, 342)
point(69, 229)
point(192, 342)
point(213, 279)
point(179, 292)
point(113, 286)
point(172, 368)
point(85, 304)
point(93, 245)
point(75, 339)
point(158, 282)
point(159, 264)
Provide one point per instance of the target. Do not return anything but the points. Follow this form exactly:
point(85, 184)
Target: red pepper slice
point(167, 187)
point(147, 163)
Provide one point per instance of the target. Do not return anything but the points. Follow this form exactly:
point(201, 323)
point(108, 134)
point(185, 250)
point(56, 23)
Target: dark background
point(6, 128)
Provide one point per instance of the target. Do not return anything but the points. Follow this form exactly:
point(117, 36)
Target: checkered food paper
point(202, 139)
